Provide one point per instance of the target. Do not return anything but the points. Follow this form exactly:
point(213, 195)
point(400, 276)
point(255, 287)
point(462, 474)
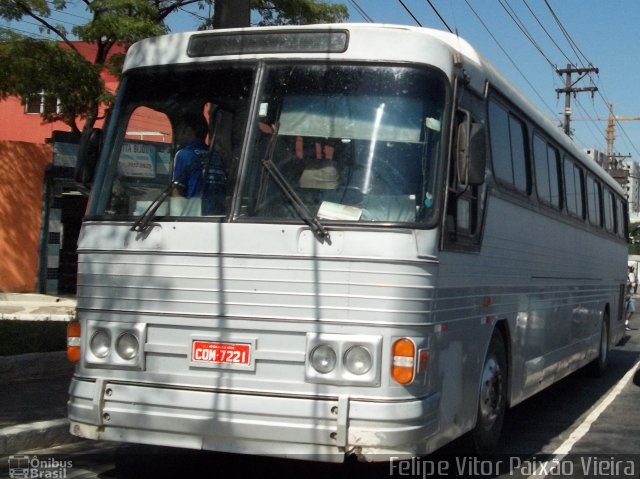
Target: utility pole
point(232, 14)
point(570, 88)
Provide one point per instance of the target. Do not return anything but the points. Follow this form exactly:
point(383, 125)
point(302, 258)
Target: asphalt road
point(580, 427)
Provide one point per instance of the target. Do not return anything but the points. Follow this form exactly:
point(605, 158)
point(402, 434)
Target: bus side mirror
point(88, 154)
point(471, 152)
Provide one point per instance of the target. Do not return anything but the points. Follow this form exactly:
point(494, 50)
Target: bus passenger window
point(593, 201)
point(546, 171)
point(507, 135)
point(609, 213)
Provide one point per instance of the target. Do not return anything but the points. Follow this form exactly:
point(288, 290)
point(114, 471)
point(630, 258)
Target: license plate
point(221, 353)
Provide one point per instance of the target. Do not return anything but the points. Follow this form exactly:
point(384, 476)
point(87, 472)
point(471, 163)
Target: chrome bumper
point(300, 427)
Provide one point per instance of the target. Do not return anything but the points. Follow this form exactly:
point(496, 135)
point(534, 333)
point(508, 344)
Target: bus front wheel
point(492, 403)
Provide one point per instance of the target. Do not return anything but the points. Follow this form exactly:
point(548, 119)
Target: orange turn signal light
point(73, 341)
point(403, 367)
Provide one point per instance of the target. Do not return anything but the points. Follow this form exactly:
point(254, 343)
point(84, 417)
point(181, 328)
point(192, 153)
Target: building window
point(42, 103)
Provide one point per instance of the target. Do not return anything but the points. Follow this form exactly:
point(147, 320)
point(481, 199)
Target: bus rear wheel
point(492, 401)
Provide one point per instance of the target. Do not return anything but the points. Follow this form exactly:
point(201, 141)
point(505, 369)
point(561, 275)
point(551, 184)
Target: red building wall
point(22, 167)
point(24, 157)
point(16, 125)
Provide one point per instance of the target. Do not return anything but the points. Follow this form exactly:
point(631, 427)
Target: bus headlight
point(343, 359)
point(127, 346)
point(358, 360)
point(323, 359)
point(100, 343)
point(115, 345)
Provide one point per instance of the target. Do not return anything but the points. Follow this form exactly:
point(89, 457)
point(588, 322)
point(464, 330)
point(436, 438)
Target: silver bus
point(405, 248)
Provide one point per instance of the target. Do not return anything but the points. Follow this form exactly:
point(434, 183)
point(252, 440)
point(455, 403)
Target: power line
point(579, 54)
point(581, 57)
point(361, 11)
point(20, 31)
point(515, 65)
point(65, 12)
point(410, 13)
point(597, 137)
point(439, 16)
point(570, 88)
point(41, 33)
point(564, 31)
point(512, 14)
point(200, 18)
point(546, 31)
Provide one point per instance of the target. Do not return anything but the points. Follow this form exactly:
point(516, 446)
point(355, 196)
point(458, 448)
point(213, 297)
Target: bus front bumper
point(297, 427)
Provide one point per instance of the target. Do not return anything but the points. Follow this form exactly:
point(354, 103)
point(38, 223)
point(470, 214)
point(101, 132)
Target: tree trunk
point(232, 14)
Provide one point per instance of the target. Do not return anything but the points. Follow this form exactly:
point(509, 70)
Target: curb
point(35, 435)
point(27, 316)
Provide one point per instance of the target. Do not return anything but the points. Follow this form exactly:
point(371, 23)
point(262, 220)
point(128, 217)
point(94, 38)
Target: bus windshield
point(356, 143)
point(352, 142)
point(166, 126)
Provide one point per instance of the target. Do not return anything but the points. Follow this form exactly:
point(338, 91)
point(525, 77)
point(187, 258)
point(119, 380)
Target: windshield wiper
point(143, 222)
point(319, 230)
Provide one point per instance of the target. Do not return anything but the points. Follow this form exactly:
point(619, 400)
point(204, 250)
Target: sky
point(525, 39)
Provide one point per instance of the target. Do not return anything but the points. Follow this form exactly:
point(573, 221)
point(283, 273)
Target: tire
point(492, 398)
point(599, 365)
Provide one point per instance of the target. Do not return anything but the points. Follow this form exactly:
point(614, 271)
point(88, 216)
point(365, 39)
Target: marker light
point(402, 369)
point(73, 341)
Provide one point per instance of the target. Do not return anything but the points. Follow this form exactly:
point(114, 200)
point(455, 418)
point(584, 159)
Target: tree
point(298, 12)
point(31, 66)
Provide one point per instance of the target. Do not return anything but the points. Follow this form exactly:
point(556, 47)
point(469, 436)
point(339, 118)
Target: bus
point(407, 247)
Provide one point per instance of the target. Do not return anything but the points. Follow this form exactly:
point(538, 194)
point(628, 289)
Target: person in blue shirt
point(198, 172)
point(190, 138)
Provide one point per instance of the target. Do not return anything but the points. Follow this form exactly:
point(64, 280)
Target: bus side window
point(144, 162)
point(508, 148)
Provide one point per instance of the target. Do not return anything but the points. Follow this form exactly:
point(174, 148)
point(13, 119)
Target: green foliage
point(30, 67)
point(15, 10)
point(298, 12)
point(121, 21)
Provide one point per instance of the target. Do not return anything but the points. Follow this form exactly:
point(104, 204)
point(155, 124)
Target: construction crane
point(615, 167)
point(611, 128)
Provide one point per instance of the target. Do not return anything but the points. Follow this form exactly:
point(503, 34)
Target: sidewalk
point(33, 402)
point(36, 307)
